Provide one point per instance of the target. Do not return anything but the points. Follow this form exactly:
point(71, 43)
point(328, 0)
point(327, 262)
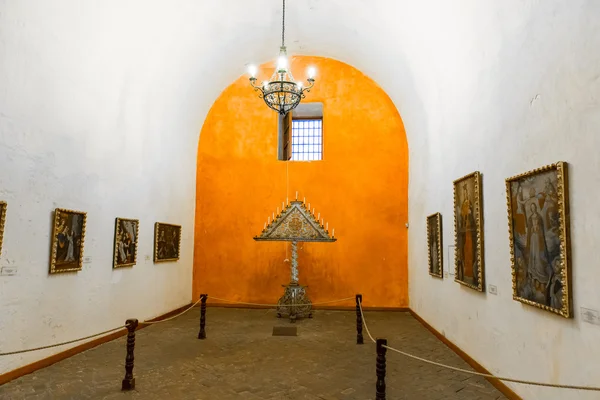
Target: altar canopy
point(296, 223)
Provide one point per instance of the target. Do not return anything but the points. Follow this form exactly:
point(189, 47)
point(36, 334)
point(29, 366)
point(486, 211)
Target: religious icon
point(2, 220)
point(434, 244)
point(68, 234)
point(167, 239)
point(126, 242)
point(468, 235)
point(538, 219)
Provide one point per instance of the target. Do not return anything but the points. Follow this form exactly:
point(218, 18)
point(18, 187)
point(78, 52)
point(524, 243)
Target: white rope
point(365, 321)
point(174, 316)
point(281, 305)
point(96, 334)
point(466, 371)
point(62, 343)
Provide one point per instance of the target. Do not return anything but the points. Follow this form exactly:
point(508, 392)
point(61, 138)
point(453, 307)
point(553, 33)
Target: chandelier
point(281, 93)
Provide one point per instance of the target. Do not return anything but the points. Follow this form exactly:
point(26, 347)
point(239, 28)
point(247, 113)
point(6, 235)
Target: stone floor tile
point(241, 360)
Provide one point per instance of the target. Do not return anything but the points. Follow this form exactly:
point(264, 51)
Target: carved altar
point(296, 223)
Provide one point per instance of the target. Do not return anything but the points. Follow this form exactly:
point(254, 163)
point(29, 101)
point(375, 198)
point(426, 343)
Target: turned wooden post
point(359, 323)
point(202, 333)
point(129, 380)
point(380, 386)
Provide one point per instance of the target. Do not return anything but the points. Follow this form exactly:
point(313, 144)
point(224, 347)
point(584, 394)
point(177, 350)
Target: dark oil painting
point(167, 238)
point(67, 240)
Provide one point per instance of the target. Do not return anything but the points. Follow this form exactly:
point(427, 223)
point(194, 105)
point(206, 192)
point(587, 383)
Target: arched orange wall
point(360, 187)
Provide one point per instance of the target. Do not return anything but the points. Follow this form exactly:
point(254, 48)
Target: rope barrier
point(157, 322)
point(281, 305)
point(95, 335)
point(63, 343)
point(365, 321)
point(174, 316)
point(466, 371)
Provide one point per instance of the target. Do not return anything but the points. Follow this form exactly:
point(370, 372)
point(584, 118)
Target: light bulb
point(282, 63)
point(252, 70)
point(299, 84)
point(265, 84)
point(311, 72)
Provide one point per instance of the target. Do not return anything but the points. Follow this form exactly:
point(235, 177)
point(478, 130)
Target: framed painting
point(68, 234)
point(126, 242)
point(167, 242)
point(468, 231)
point(538, 225)
point(2, 221)
point(434, 244)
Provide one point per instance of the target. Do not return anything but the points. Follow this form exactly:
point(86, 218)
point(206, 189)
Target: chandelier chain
point(283, 26)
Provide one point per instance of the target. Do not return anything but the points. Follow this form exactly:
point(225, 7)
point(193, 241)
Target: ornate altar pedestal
point(295, 224)
point(294, 302)
point(294, 294)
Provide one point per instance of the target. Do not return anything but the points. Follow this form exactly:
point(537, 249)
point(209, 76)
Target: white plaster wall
point(87, 122)
point(516, 87)
point(101, 103)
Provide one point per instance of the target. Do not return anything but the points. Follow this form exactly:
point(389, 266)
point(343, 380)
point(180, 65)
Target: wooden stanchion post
point(129, 381)
point(202, 333)
point(359, 323)
point(380, 386)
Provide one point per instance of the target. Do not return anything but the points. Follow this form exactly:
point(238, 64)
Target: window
point(301, 133)
point(307, 139)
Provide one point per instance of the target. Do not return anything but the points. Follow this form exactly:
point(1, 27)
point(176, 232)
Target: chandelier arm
point(259, 89)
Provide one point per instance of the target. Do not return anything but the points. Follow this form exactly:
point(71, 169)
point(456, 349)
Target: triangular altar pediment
point(295, 224)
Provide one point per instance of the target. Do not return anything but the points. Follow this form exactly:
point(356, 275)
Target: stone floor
point(242, 360)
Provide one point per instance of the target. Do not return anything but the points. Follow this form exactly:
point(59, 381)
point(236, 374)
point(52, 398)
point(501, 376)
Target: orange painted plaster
point(360, 187)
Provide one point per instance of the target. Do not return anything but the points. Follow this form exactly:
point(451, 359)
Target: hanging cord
point(98, 334)
point(466, 371)
point(281, 305)
point(287, 194)
point(283, 26)
point(63, 343)
point(174, 316)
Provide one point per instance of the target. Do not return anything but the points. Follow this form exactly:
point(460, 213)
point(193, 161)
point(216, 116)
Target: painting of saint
point(539, 238)
point(67, 241)
point(434, 243)
point(167, 238)
point(2, 220)
point(468, 221)
point(126, 240)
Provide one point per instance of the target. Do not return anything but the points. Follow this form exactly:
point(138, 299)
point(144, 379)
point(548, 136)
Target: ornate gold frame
point(478, 211)
point(438, 217)
point(116, 250)
point(3, 206)
point(562, 191)
point(54, 241)
point(156, 260)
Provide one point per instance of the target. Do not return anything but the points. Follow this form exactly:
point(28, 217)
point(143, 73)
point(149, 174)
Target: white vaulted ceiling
point(176, 56)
